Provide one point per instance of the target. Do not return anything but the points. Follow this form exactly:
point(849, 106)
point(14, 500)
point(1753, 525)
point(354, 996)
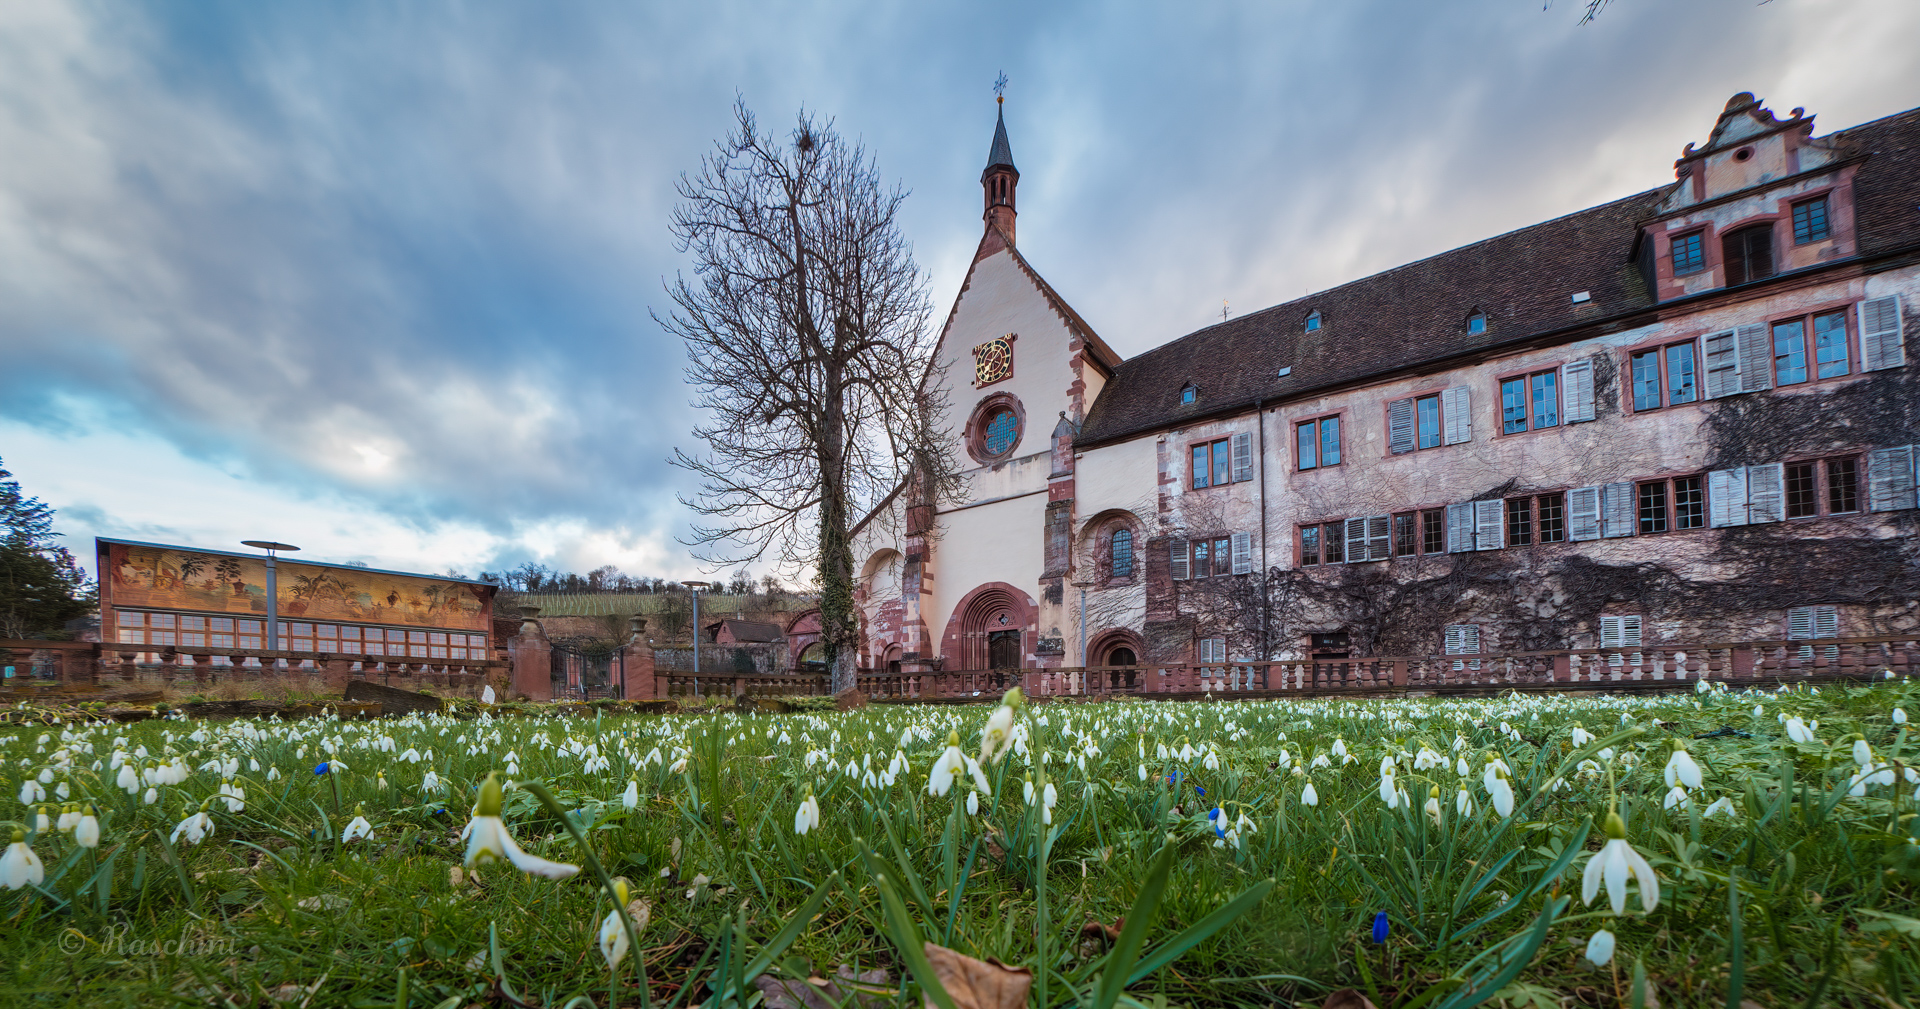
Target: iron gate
point(589, 674)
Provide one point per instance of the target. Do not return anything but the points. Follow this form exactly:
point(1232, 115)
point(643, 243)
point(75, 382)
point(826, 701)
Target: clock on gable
point(993, 360)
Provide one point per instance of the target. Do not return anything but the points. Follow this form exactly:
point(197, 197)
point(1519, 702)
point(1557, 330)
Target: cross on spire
point(1000, 88)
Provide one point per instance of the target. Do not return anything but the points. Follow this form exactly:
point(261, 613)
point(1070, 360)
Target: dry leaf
point(641, 911)
point(827, 993)
point(1347, 998)
point(979, 984)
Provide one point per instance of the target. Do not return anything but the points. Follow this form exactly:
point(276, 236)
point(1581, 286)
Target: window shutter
point(1356, 540)
point(1756, 357)
point(1576, 386)
point(1457, 406)
point(1463, 639)
point(1763, 493)
point(1242, 457)
point(1881, 345)
point(1400, 426)
point(1617, 501)
point(1379, 540)
point(1242, 553)
point(1583, 513)
point(1489, 521)
point(1826, 622)
point(1723, 365)
point(1800, 623)
point(1727, 497)
point(1177, 552)
point(1890, 479)
point(1610, 632)
point(1629, 631)
point(1460, 527)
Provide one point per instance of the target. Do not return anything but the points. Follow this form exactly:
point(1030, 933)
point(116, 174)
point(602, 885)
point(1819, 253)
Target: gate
point(589, 674)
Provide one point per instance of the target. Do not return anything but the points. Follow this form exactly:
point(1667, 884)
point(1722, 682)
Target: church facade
point(1687, 416)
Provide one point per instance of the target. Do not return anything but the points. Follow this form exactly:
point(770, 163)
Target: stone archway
point(993, 622)
point(1121, 650)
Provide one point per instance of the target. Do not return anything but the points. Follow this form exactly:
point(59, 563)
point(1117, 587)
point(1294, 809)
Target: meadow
point(1706, 848)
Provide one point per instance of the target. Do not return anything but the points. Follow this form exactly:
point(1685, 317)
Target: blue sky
point(376, 279)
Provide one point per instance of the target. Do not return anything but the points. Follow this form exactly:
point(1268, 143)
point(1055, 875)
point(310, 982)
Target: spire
point(999, 180)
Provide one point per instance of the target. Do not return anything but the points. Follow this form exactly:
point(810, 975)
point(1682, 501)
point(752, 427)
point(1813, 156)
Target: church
point(1683, 417)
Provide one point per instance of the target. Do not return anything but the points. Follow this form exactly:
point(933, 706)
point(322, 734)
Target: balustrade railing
point(83, 665)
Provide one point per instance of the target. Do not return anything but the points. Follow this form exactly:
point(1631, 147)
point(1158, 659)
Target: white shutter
point(1617, 503)
point(1576, 386)
point(1800, 623)
point(1487, 519)
point(1756, 357)
point(1727, 497)
point(1763, 493)
point(1881, 345)
point(1379, 537)
point(1242, 553)
point(1723, 364)
point(1456, 407)
point(1609, 632)
point(1242, 457)
point(1177, 552)
point(1356, 540)
point(1463, 639)
point(1826, 622)
point(1890, 479)
point(1400, 426)
point(1460, 527)
point(1583, 513)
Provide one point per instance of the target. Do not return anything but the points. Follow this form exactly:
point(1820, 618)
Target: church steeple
point(1000, 179)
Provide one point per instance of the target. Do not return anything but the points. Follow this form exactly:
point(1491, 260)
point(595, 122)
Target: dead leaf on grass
point(979, 984)
point(1348, 998)
point(817, 992)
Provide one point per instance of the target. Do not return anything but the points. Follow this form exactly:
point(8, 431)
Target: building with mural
point(162, 596)
point(1686, 415)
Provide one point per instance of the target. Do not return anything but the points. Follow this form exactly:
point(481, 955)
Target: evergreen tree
point(41, 586)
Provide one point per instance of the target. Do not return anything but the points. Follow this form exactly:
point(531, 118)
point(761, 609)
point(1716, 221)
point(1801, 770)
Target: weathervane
point(1000, 88)
point(1223, 310)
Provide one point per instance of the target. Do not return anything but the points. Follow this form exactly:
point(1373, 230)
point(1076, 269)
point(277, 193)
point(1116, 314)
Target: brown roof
point(1417, 314)
point(748, 630)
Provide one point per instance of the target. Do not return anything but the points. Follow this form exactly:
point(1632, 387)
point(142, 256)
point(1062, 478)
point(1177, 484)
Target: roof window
point(1477, 322)
point(1582, 297)
point(1313, 321)
point(1189, 393)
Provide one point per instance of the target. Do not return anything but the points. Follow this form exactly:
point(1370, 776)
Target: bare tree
point(806, 325)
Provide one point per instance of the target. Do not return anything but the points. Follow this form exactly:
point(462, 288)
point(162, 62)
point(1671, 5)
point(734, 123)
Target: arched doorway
point(1114, 655)
point(1003, 650)
point(991, 630)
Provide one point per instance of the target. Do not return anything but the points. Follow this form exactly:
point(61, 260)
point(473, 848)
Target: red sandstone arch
point(994, 606)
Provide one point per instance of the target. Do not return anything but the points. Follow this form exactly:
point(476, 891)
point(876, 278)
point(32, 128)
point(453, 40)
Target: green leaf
point(791, 931)
point(1514, 959)
point(1145, 908)
point(1198, 932)
point(905, 937)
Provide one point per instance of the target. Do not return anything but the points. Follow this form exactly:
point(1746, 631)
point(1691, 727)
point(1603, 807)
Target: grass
point(1803, 897)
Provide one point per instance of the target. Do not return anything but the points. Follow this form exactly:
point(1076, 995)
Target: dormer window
point(1688, 256)
point(1313, 321)
point(1477, 322)
point(1189, 393)
point(1810, 220)
point(1748, 254)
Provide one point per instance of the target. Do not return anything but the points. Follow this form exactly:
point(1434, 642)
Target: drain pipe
point(1266, 594)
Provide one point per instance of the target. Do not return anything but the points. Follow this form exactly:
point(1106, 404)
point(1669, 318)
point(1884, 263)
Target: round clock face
point(993, 361)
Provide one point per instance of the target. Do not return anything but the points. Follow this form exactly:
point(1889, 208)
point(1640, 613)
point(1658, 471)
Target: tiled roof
point(1523, 280)
point(1002, 152)
point(748, 630)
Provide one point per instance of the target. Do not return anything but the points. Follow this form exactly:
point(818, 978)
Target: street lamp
point(696, 587)
point(273, 588)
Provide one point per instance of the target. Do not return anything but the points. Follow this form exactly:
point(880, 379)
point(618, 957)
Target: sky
point(377, 280)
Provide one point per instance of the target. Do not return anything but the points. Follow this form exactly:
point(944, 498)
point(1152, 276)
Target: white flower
point(1862, 753)
point(1600, 948)
point(20, 866)
point(195, 827)
point(488, 839)
point(613, 938)
point(807, 816)
point(973, 803)
point(31, 792)
point(1899, 716)
point(1581, 736)
point(999, 728)
point(1500, 793)
point(1677, 796)
point(980, 776)
point(86, 831)
point(1433, 806)
point(631, 797)
point(1797, 730)
point(1309, 797)
point(1681, 770)
point(950, 764)
point(431, 782)
point(357, 828)
point(1613, 864)
point(1722, 806)
point(1463, 802)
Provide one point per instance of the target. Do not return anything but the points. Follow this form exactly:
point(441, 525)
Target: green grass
point(1480, 908)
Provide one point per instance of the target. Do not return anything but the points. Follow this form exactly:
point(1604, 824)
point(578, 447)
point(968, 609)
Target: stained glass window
point(1122, 553)
point(1003, 429)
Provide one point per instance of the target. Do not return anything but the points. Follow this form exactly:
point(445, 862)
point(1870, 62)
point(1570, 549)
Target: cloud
point(395, 266)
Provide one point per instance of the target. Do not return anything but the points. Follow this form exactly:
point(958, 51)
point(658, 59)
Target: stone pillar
point(636, 662)
point(532, 657)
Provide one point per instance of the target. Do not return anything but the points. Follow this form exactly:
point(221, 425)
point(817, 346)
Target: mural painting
point(161, 578)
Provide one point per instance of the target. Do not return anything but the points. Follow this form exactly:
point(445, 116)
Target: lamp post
point(696, 587)
point(273, 588)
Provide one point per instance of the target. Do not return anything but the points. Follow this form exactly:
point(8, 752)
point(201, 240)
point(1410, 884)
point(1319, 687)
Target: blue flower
point(320, 768)
point(1380, 927)
point(1214, 813)
point(1200, 790)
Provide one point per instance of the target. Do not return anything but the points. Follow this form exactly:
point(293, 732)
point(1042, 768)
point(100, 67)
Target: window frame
point(1319, 441)
point(1849, 313)
point(1660, 348)
point(1825, 200)
point(1535, 517)
point(1700, 244)
point(1773, 257)
point(1823, 485)
point(1525, 377)
point(1217, 449)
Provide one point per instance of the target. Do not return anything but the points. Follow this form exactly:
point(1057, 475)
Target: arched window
point(1121, 552)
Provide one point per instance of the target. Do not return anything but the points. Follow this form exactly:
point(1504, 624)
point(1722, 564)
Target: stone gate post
point(532, 657)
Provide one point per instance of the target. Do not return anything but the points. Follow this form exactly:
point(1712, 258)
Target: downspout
point(1266, 594)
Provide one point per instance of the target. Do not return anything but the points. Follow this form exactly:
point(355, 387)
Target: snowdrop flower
point(41, 821)
point(807, 816)
point(1613, 864)
point(613, 934)
point(1339, 747)
point(1677, 796)
point(86, 830)
point(1723, 806)
point(1389, 788)
point(196, 827)
point(357, 828)
point(129, 779)
point(20, 866)
point(1899, 716)
point(631, 797)
point(1463, 802)
point(678, 767)
point(1681, 770)
point(950, 764)
point(1463, 769)
point(488, 839)
point(1309, 797)
point(31, 792)
point(1797, 730)
point(1434, 809)
point(998, 731)
point(973, 803)
point(1581, 736)
point(1500, 793)
point(1600, 948)
point(1427, 759)
point(430, 783)
point(1143, 772)
point(152, 796)
point(1862, 753)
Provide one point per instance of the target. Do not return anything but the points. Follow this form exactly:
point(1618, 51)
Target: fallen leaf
point(979, 984)
point(827, 993)
point(324, 902)
point(641, 911)
point(1347, 998)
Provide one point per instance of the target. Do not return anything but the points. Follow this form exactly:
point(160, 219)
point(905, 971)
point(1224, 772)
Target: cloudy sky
point(375, 279)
